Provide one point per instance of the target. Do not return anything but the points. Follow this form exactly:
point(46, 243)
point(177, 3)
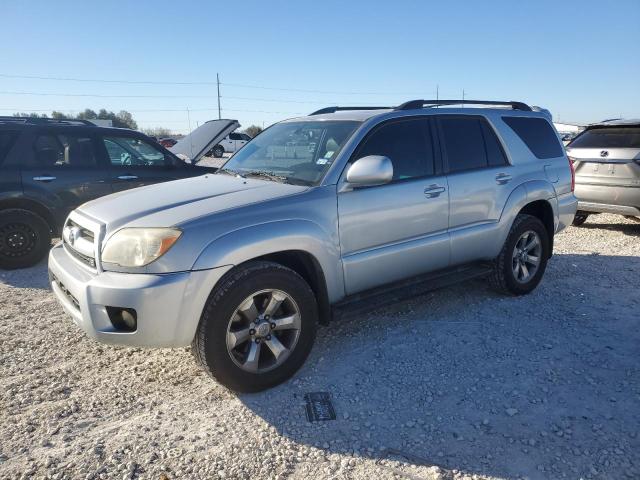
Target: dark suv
point(49, 167)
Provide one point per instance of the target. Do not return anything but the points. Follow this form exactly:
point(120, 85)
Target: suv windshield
point(293, 152)
point(608, 137)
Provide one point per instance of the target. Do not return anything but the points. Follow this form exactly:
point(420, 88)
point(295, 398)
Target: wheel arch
point(543, 211)
point(32, 206)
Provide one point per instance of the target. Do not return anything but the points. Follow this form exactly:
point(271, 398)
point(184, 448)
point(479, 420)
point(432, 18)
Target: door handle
point(502, 178)
point(433, 191)
point(128, 177)
point(44, 178)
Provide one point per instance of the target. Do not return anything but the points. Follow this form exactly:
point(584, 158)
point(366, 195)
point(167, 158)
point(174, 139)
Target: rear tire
point(237, 325)
point(218, 151)
point(527, 244)
point(580, 218)
point(25, 238)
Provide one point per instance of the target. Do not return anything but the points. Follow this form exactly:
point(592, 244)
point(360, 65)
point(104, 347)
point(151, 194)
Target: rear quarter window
point(537, 134)
point(7, 139)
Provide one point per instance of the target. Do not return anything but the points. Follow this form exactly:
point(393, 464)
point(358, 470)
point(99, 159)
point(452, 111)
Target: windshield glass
point(296, 152)
point(608, 137)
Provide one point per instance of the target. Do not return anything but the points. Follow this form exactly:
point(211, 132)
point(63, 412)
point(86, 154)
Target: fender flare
point(255, 241)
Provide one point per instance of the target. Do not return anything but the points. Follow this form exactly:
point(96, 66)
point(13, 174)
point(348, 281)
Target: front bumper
point(168, 306)
point(567, 206)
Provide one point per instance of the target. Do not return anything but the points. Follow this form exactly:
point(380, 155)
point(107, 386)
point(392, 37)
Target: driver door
point(133, 162)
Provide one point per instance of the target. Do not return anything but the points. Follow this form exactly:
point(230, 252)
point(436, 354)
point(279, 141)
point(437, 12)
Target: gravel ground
point(459, 383)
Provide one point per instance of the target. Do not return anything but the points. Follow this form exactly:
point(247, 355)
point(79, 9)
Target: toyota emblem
point(604, 153)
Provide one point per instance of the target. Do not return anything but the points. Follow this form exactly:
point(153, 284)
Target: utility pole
point(218, 81)
point(463, 98)
point(437, 94)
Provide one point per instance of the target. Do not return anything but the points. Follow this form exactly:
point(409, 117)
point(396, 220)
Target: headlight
point(137, 247)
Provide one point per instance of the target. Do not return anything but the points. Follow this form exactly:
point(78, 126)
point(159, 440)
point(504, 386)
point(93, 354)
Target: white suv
point(230, 144)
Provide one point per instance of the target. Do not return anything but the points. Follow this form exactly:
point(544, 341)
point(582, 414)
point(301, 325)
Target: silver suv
point(606, 157)
point(315, 218)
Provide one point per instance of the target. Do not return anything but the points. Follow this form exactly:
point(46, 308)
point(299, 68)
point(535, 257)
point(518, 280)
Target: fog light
point(123, 319)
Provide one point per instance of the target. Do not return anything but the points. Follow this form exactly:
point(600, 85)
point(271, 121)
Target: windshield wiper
point(268, 175)
point(228, 171)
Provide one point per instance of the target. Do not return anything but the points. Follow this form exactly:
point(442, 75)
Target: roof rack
point(341, 109)
point(414, 104)
point(46, 121)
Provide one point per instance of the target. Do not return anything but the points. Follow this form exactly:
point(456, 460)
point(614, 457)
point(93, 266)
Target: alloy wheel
point(526, 256)
point(263, 331)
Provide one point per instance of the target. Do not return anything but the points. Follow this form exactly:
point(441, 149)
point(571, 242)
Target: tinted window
point(245, 137)
point(464, 143)
point(495, 154)
point(537, 134)
point(65, 149)
point(235, 136)
point(6, 142)
point(134, 151)
point(608, 137)
point(408, 145)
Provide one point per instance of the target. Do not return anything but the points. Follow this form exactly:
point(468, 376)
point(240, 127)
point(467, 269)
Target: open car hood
point(195, 145)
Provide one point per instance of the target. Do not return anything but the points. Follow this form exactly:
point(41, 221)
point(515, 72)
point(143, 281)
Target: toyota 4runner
point(317, 216)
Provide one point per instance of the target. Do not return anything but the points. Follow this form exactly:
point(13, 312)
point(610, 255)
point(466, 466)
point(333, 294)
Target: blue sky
point(580, 59)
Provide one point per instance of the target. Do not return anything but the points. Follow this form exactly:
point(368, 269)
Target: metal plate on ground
point(319, 407)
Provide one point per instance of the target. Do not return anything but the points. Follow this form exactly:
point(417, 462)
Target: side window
point(537, 134)
point(65, 149)
point(408, 145)
point(6, 142)
point(495, 154)
point(245, 137)
point(235, 136)
point(464, 142)
point(134, 151)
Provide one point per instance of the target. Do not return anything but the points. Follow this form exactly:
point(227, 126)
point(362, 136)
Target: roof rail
point(414, 104)
point(341, 109)
point(46, 121)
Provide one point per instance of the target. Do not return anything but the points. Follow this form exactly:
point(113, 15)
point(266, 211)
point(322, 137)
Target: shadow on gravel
point(541, 386)
point(33, 277)
point(631, 229)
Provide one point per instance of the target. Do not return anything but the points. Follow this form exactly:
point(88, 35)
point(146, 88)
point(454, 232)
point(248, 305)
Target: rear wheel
point(257, 327)
point(218, 151)
point(580, 218)
point(25, 238)
point(520, 265)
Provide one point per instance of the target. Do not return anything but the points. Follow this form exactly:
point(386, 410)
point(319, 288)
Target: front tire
point(522, 261)
point(257, 328)
point(218, 151)
point(579, 218)
point(25, 238)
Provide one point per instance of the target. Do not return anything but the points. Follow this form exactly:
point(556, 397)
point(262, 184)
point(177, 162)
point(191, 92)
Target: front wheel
point(579, 218)
point(522, 261)
point(25, 238)
point(257, 327)
point(218, 151)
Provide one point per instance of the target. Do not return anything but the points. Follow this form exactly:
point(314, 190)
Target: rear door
point(480, 181)
point(605, 157)
point(398, 230)
point(64, 169)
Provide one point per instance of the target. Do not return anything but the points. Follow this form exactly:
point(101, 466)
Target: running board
point(369, 300)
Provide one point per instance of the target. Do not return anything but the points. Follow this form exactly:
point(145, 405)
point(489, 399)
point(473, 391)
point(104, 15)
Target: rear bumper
point(608, 199)
point(168, 306)
point(567, 206)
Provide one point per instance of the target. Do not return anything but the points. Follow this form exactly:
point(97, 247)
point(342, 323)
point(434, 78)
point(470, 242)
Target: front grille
point(87, 260)
point(79, 242)
point(67, 293)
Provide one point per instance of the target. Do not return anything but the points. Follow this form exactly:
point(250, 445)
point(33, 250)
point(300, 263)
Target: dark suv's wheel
point(523, 259)
point(25, 238)
point(218, 151)
point(257, 327)
point(580, 218)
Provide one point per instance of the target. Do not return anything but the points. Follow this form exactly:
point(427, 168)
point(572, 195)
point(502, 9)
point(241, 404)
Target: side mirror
point(370, 171)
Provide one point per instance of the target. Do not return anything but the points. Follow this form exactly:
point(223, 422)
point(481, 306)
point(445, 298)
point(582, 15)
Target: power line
point(238, 85)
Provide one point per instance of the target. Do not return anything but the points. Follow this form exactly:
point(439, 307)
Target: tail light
point(573, 173)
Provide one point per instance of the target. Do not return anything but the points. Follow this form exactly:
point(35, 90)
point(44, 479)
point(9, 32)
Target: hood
point(180, 201)
point(195, 145)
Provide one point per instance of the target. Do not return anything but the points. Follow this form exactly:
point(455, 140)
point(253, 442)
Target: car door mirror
point(370, 171)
